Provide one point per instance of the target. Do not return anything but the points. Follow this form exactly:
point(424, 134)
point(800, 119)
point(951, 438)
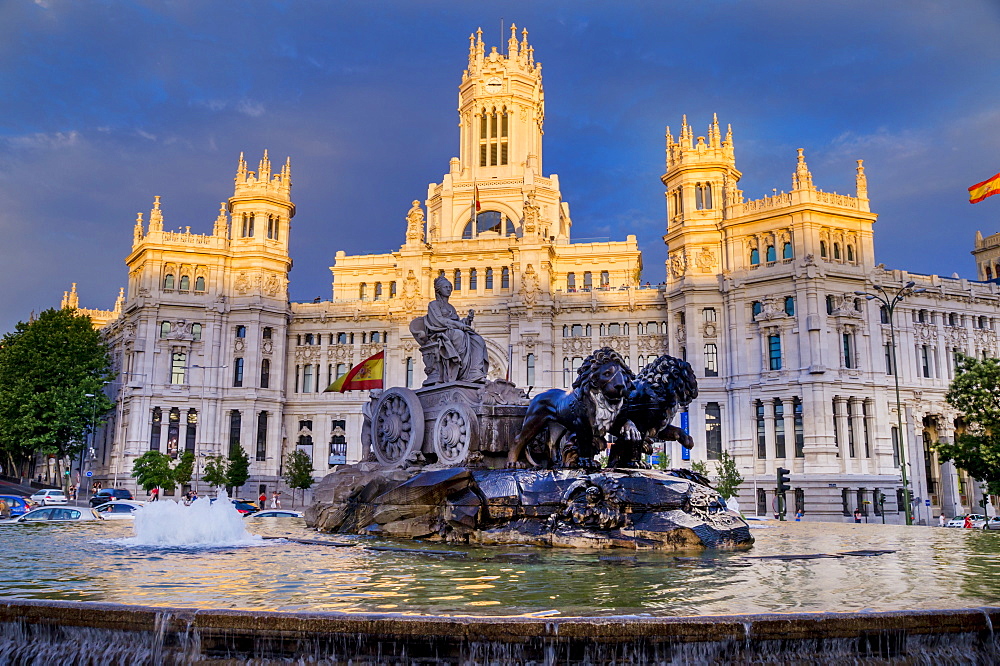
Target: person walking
point(274, 499)
point(262, 500)
point(968, 522)
point(941, 521)
point(798, 516)
point(154, 494)
point(857, 515)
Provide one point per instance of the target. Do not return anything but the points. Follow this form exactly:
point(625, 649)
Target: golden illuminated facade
point(759, 295)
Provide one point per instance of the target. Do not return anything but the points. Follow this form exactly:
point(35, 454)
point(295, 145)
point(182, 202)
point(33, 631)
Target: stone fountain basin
point(85, 632)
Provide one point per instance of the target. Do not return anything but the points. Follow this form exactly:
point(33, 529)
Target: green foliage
point(701, 467)
point(47, 366)
point(663, 461)
point(729, 478)
point(975, 392)
point(184, 468)
point(152, 470)
point(215, 471)
point(298, 470)
point(238, 469)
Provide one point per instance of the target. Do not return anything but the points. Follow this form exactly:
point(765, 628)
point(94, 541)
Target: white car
point(959, 521)
point(276, 513)
point(118, 510)
point(49, 496)
point(50, 514)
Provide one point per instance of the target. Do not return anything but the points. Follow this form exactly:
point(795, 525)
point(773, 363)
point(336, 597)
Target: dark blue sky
point(105, 104)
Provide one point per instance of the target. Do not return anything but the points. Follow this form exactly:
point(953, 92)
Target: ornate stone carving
point(242, 284)
point(415, 224)
point(529, 288)
point(451, 349)
point(678, 264)
point(530, 215)
point(411, 292)
point(271, 285)
point(706, 260)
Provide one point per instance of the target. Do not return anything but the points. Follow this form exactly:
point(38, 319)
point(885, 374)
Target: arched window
point(363, 291)
point(822, 249)
point(265, 373)
point(185, 283)
point(786, 251)
point(157, 427)
point(836, 250)
point(491, 220)
point(770, 254)
point(271, 227)
point(168, 281)
point(505, 278)
point(458, 279)
point(248, 220)
point(754, 257)
point(493, 130)
point(850, 253)
point(199, 284)
point(884, 314)
point(164, 329)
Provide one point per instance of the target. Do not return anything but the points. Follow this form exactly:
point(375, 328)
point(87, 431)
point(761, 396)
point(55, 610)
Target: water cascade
point(203, 523)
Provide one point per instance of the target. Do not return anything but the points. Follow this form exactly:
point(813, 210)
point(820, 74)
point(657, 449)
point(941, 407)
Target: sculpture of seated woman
point(451, 349)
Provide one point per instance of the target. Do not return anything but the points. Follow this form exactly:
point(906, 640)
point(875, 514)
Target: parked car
point(245, 508)
point(57, 514)
point(992, 524)
point(275, 513)
point(118, 509)
point(105, 495)
point(959, 521)
point(49, 496)
point(17, 505)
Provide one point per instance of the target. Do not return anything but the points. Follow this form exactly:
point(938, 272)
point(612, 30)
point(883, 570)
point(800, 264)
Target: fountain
point(474, 466)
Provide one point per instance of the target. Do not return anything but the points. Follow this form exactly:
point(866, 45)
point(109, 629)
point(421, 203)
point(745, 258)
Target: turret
point(261, 207)
point(700, 174)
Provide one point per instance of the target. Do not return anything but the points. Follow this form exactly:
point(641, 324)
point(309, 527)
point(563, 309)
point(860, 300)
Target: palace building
point(795, 368)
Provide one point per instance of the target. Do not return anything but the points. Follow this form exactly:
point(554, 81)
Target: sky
point(105, 104)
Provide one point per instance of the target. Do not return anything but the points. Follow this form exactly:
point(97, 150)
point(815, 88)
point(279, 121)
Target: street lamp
point(890, 301)
point(83, 454)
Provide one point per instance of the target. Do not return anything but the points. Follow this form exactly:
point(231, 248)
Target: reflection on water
point(932, 568)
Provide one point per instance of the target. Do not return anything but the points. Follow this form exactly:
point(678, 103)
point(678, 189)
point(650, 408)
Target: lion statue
point(567, 428)
point(660, 390)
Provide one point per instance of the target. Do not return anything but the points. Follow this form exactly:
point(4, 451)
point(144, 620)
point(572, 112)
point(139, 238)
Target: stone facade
point(759, 295)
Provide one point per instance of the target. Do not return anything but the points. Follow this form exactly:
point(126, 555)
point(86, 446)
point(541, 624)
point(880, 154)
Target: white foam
point(203, 523)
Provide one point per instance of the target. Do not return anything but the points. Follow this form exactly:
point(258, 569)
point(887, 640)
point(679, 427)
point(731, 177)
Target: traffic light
point(783, 486)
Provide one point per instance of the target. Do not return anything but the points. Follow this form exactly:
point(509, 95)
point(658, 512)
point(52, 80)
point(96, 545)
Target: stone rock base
point(571, 508)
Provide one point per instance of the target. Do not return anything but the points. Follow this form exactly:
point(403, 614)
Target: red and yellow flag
point(476, 189)
point(365, 375)
point(987, 188)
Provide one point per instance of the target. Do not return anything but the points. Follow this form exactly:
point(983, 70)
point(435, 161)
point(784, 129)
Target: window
point(703, 196)
point(709, 315)
point(754, 257)
point(713, 430)
point(168, 281)
point(338, 442)
point(883, 313)
point(530, 367)
point(850, 253)
point(770, 254)
point(790, 306)
point(786, 251)
point(851, 450)
point(605, 279)
point(473, 280)
point(266, 333)
point(178, 367)
point(164, 329)
point(571, 282)
point(241, 331)
point(363, 292)
point(925, 361)
point(341, 338)
point(588, 280)
point(565, 373)
point(154, 433)
point(185, 283)
point(756, 308)
point(774, 352)
point(800, 500)
point(196, 332)
point(310, 339)
point(409, 372)
point(489, 278)
point(761, 502)
point(378, 291)
point(248, 219)
point(505, 278)
point(392, 289)
point(711, 360)
point(238, 372)
point(191, 432)
point(308, 385)
point(199, 284)
point(845, 501)
point(836, 250)
point(458, 279)
point(864, 429)
point(829, 304)
point(493, 129)
point(173, 431)
point(235, 424)
point(261, 437)
point(779, 429)
point(761, 431)
point(614, 329)
point(576, 331)
point(822, 249)
point(797, 427)
point(265, 373)
point(848, 340)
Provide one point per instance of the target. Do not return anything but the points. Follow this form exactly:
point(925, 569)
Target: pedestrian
point(798, 516)
point(941, 521)
point(968, 522)
point(857, 515)
point(154, 494)
point(194, 495)
point(72, 492)
point(279, 500)
point(262, 500)
point(4, 509)
point(274, 499)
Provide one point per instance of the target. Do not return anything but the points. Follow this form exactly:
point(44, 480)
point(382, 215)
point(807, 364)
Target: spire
point(802, 179)
point(220, 222)
point(264, 169)
point(523, 54)
point(480, 48)
point(714, 136)
point(729, 134)
point(241, 169)
point(512, 51)
point(70, 299)
point(687, 134)
point(120, 301)
point(862, 181)
point(137, 231)
point(156, 216)
point(286, 171)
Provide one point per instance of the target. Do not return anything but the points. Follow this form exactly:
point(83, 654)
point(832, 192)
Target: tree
point(975, 392)
point(47, 367)
point(215, 471)
point(700, 466)
point(728, 478)
point(298, 471)
point(152, 470)
point(184, 468)
point(238, 469)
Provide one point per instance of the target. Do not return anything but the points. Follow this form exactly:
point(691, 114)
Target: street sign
point(927, 502)
point(90, 473)
point(686, 427)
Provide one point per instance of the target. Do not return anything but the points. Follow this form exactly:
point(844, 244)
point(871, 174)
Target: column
point(841, 424)
point(769, 427)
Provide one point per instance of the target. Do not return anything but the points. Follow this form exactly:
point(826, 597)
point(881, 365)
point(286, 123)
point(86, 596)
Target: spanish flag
point(365, 375)
point(984, 189)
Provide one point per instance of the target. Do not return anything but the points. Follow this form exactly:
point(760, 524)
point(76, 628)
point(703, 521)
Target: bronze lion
point(567, 428)
point(660, 390)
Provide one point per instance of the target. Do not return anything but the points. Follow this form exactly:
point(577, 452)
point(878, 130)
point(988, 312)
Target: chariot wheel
point(456, 432)
point(397, 426)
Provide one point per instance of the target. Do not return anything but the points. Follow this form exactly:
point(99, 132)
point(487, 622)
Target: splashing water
point(203, 523)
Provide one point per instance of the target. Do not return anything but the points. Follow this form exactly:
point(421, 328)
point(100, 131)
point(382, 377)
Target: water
point(103, 561)
point(203, 523)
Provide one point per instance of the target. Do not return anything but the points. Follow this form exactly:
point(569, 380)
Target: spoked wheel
point(456, 432)
point(397, 426)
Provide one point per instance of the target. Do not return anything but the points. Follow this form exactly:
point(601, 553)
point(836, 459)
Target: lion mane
point(592, 365)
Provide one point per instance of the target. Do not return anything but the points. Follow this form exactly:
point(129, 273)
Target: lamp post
point(90, 445)
point(890, 301)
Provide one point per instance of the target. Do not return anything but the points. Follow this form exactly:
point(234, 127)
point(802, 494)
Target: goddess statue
point(451, 349)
